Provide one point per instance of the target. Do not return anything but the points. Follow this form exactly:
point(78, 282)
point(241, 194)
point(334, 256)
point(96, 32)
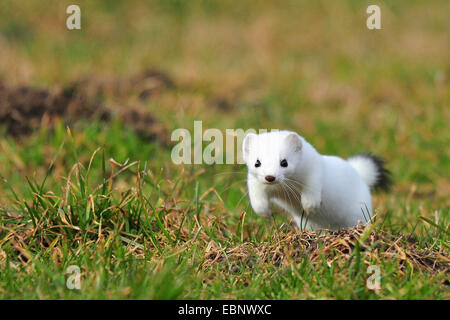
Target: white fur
point(327, 188)
point(366, 168)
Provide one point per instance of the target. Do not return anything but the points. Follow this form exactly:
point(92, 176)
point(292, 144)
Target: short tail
point(371, 169)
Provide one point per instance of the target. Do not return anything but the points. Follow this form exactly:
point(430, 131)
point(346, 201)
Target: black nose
point(270, 178)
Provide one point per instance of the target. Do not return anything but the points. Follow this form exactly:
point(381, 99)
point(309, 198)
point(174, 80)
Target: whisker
point(241, 199)
point(288, 194)
point(303, 185)
point(231, 185)
point(294, 191)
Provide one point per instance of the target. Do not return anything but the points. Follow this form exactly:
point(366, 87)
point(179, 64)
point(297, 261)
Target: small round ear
point(247, 144)
point(293, 141)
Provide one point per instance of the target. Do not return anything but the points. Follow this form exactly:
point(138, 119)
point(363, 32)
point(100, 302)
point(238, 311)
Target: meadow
point(87, 180)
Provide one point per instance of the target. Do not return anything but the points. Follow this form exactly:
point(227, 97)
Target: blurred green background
point(308, 66)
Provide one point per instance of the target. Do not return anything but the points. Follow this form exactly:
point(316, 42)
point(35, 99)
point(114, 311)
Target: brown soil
point(24, 109)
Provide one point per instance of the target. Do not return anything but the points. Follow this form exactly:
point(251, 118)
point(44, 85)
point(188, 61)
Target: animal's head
point(272, 157)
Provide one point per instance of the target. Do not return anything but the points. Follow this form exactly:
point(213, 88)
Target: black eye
point(284, 163)
point(257, 164)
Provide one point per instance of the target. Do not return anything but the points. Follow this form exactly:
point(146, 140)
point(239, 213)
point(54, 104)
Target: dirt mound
point(24, 109)
point(335, 246)
point(143, 85)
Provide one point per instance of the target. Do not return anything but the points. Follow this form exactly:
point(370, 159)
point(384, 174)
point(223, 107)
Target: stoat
point(319, 191)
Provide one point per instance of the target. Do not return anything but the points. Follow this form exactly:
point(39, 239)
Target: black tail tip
point(384, 176)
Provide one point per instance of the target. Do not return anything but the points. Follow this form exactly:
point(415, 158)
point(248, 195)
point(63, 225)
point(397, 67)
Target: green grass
point(134, 241)
point(102, 198)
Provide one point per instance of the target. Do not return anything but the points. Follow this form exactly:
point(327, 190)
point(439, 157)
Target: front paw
point(311, 204)
point(262, 209)
point(265, 213)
